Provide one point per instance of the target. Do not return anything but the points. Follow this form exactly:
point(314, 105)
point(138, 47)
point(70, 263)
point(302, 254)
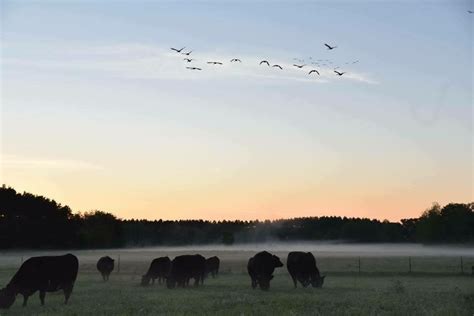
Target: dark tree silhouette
point(33, 221)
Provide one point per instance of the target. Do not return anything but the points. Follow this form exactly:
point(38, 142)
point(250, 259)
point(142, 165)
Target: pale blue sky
point(95, 105)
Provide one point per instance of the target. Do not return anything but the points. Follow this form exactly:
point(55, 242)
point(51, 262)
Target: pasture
point(383, 286)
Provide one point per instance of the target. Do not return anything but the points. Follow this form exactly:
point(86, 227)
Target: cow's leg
point(67, 293)
point(25, 299)
point(42, 295)
point(254, 283)
point(295, 281)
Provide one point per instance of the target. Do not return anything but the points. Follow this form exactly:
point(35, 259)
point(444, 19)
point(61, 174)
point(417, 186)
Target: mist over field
point(319, 249)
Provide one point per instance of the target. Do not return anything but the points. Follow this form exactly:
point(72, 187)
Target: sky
point(98, 113)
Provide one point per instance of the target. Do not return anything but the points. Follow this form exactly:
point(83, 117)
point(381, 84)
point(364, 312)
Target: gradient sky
point(98, 113)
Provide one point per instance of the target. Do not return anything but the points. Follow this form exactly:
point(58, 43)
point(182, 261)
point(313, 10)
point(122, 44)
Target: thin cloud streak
point(16, 162)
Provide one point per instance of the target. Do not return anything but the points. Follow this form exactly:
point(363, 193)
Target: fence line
point(463, 265)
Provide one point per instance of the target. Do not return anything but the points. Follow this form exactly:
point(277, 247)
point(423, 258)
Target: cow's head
point(277, 262)
point(318, 281)
point(7, 298)
point(145, 280)
point(264, 282)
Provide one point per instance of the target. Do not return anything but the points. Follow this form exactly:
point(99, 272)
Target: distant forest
point(36, 222)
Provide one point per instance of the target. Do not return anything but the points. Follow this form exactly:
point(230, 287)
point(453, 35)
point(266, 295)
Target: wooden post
point(118, 265)
point(409, 264)
point(462, 266)
point(359, 265)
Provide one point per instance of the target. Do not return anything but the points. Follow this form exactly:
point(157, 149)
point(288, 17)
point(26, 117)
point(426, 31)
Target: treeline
point(32, 221)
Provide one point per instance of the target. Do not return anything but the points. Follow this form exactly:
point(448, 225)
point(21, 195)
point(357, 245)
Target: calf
point(212, 266)
point(159, 269)
point(43, 274)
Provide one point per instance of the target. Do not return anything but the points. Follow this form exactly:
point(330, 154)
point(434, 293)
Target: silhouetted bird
point(188, 59)
point(193, 68)
point(299, 66)
point(277, 66)
point(235, 59)
point(469, 11)
point(177, 50)
point(264, 62)
point(188, 53)
point(313, 70)
point(329, 46)
point(214, 62)
point(355, 61)
point(339, 73)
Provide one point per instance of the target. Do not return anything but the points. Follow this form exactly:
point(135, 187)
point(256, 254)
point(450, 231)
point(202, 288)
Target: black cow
point(261, 267)
point(159, 269)
point(302, 267)
point(212, 266)
point(43, 274)
point(105, 265)
point(184, 268)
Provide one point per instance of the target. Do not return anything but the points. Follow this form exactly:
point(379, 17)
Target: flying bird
point(177, 50)
point(188, 53)
point(329, 46)
point(298, 66)
point(265, 62)
point(189, 59)
point(469, 11)
point(339, 73)
point(313, 70)
point(355, 61)
point(214, 62)
point(278, 66)
point(194, 68)
point(235, 59)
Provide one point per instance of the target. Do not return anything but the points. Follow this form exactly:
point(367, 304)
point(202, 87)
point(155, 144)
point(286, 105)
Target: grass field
point(382, 288)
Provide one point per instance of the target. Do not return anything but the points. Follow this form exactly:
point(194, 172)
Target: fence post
point(118, 265)
point(409, 264)
point(359, 265)
point(462, 266)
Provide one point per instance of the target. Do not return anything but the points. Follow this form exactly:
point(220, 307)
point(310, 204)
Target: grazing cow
point(159, 269)
point(105, 265)
point(212, 266)
point(43, 274)
point(261, 267)
point(302, 267)
point(184, 268)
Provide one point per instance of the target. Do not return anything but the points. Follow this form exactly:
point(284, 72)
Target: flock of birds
point(300, 62)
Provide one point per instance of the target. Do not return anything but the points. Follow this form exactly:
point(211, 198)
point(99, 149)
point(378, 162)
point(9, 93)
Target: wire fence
point(236, 263)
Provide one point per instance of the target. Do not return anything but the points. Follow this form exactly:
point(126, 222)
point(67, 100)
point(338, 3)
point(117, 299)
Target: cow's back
point(105, 264)
point(303, 262)
point(48, 272)
point(186, 266)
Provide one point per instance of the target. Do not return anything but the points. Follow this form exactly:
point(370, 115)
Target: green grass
point(344, 293)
